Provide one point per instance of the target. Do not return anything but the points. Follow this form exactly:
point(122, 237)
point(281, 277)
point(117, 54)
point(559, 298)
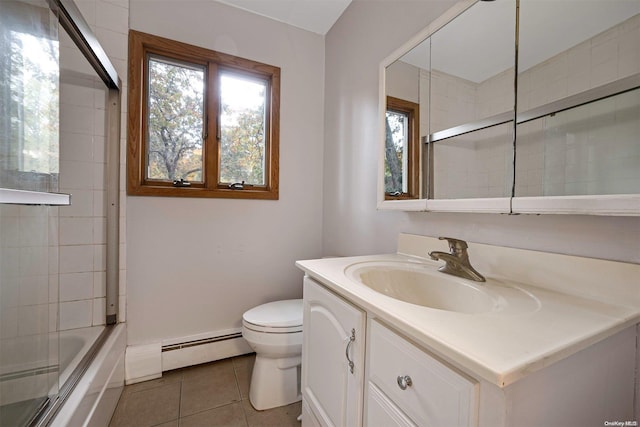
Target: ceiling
point(317, 16)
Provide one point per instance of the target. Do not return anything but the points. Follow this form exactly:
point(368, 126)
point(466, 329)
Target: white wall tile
point(76, 286)
point(76, 175)
point(76, 259)
point(77, 147)
point(74, 119)
point(99, 311)
point(33, 319)
point(114, 43)
point(82, 203)
point(99, 284)
point(113, 17)
point(76, 231)
point(76, 314)
point(99, 257)
point(8, 322)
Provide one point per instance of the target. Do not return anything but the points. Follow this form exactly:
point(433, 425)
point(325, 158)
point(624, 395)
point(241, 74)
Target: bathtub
point(95, 396)
point(38, 367)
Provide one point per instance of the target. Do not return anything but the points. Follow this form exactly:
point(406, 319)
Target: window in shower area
point(53, 120)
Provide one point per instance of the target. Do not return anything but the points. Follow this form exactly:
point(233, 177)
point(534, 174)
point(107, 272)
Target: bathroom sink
point(424, 285)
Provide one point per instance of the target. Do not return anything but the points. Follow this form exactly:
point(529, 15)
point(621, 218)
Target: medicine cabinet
point(524, 106)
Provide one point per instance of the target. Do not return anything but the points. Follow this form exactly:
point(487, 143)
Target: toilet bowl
point(274, 332)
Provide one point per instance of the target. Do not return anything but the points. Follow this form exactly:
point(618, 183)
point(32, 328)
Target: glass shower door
point(29, 87)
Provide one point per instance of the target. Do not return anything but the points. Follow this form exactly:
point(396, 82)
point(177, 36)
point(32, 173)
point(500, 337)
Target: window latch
point(181, 183)
point(237, 186)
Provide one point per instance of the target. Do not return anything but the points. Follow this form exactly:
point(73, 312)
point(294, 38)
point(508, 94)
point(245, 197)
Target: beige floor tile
point(210, 386)
point(244, 361)
point(148, 407)
point(168, 377)
point(243, 371)
point(204, 395)
point(284, 416)
point(230, 415)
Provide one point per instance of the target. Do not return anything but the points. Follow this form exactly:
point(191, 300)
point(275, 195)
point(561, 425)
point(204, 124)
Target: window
point(201, 123)
point(402, 150)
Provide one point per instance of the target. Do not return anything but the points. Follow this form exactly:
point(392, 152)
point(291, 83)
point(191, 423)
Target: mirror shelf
point(610, 205)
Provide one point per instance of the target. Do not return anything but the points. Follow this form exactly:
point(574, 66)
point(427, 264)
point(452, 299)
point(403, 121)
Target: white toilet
point(274, 332)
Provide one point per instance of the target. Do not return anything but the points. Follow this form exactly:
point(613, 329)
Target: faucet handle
point(456, 246)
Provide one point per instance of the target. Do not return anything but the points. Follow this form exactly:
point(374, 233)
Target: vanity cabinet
point(404, 385)
point(332, 359)
point(398, 382)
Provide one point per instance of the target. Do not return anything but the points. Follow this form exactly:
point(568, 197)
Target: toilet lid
point(277, 314)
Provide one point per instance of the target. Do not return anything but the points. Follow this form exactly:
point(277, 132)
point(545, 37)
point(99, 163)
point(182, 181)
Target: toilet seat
point(278, 317)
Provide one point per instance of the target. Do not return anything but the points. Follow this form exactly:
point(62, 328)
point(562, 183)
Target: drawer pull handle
point(404, 381)
point(351, 339)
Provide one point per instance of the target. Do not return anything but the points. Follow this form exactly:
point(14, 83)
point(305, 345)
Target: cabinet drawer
point(381, 412)
point(436, 396)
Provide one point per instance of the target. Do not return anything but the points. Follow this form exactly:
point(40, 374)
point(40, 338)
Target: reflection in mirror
point(472, 62)
point(472, 103)
point(587, 53)
point(29, 90)
point(407, 95)
point(473, 165)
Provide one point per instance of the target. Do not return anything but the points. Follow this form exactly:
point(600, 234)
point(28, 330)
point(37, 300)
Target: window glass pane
point(242, 126)
point(396, 150)
point(175, 121)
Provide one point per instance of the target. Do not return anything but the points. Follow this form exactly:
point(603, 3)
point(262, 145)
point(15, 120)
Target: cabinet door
point(330, 386)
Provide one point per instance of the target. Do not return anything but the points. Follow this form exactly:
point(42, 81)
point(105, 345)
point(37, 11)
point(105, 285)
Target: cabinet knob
point(404, 381)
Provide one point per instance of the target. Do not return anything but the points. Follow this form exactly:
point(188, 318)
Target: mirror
point(472, 103)
point(578, 113)
point(570, 144)
point(458, 86)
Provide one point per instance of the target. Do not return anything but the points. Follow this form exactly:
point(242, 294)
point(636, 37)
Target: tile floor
point(208, 395)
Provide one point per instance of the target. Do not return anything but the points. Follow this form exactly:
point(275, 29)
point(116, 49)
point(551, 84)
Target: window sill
point(199, 192)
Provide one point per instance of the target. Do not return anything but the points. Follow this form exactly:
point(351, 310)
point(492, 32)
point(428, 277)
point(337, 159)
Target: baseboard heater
point(187, 344)
point(203, 350)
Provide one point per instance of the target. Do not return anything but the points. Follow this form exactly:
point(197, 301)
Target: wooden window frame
point(141, 45)
point(412, 110)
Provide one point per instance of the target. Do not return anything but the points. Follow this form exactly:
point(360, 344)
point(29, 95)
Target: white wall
point(194, 266)
point(365, 34)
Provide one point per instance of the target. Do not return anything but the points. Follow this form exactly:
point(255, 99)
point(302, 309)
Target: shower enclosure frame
point(77, 28)
point(72, 21)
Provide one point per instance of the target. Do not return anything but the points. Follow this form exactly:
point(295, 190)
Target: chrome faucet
point(457, 261)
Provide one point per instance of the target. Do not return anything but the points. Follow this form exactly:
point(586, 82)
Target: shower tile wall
point(82, 225)
point(82, 251)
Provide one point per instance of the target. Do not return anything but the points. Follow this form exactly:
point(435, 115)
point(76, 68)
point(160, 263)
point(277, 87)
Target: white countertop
point(498, 347)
